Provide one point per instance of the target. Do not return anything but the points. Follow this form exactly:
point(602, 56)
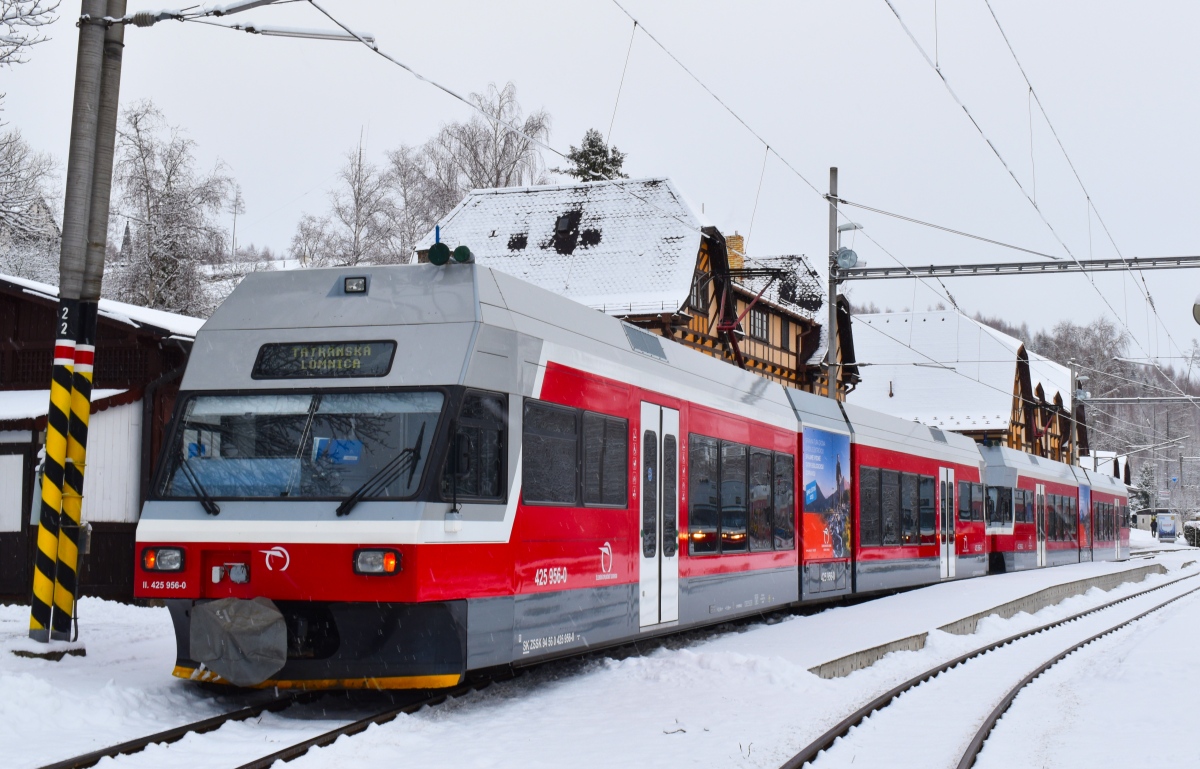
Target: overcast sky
point(826, 83)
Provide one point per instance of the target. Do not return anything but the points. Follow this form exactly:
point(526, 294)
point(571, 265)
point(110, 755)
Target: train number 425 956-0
point(160, 584)
point(552, 576)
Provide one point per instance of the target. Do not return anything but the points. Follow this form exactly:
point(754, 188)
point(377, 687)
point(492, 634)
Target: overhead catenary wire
point(1145, 287)
point(950, 90)
point(620, 86)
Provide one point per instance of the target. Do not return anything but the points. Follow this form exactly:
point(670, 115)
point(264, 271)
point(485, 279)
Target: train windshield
point(302, 445)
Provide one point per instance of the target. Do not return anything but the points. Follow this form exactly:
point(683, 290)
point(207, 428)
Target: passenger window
point(928, 511)
point(550, 467)
point(761, 514)
point(869, 510)
point(704, 494)
point(604, 460)
point(649, 494)
point(733, 497)
point(670, 497)
point(909, 504)
point(977, 502)
point(474, 467)
point(891, 506)
point(785, 502)
point(964, 502)
point(1006, 506)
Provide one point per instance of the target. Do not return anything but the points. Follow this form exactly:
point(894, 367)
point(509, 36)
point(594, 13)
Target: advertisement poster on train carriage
point(826, 483)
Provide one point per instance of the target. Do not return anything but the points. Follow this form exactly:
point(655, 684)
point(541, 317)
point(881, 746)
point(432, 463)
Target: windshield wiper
point(405, 461)
point(210, 506)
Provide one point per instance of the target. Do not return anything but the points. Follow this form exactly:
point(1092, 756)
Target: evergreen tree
point(594, 160)
point(1142, 495)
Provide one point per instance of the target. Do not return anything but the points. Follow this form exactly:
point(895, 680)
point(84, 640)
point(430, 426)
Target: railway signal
point(440, 254)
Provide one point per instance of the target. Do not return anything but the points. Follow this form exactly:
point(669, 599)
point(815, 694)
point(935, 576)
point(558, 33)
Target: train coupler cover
point(243, 641)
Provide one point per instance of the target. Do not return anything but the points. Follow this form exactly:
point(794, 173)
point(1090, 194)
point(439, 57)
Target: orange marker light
point(149, 559)
point(389, 562)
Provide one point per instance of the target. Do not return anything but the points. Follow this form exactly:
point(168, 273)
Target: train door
point(1040, 512)
point(659, 562)
point(946, 534)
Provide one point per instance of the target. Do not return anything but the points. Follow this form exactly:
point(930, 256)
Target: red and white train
point(394, 476)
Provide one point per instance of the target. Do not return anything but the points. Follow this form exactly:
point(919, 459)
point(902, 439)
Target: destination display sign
point(323, 360)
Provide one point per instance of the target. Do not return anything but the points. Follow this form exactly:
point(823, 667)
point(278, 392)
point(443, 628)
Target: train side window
point(1028, 497)
point(928, 518)
point(760, 495)
point(550, 466)
point(1073, 518)
point(649, 494)
point(1006, 506)
point(909, 505)
point(870, 512)
point(1055, 515)
point(890, 495)
point(670, 496)
point(605, 449)
point(964, 502)
point(474, 468)
point(704, 494)
point(733, 497)
point(993, 505)
point(977, 502)
point(785, 502)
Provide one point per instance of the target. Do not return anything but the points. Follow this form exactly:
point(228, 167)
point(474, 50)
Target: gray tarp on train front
point(245, 642)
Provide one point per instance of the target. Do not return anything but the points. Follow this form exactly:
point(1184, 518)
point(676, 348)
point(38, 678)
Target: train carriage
point(390, 477)
point(913, 491)
point(1106, 527)
point(450, 469)
point(1033, 509)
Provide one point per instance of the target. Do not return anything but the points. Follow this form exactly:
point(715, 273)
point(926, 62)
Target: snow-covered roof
point(945, 370)
point(621, 247)
point(33, 404)
point(131, 314)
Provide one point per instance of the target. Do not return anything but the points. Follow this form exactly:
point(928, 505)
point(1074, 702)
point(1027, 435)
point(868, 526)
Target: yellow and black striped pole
point(66, 577)
point(53, 472)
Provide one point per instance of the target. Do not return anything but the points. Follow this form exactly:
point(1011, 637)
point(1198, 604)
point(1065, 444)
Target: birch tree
point(172, 211)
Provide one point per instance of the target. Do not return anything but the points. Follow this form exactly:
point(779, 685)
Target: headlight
point(380, 562)
point(162, 559)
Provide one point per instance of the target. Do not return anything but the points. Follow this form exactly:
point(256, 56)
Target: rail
point(843, 727)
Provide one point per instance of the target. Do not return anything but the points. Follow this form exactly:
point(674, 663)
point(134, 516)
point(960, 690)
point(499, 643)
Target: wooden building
point(636, 249)
point(949, 371)
point(140, 356)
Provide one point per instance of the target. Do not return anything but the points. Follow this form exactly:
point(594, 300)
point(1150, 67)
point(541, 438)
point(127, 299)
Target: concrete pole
point(66, 584)
point(832, 368)
point(48, 579)
point(106, 139)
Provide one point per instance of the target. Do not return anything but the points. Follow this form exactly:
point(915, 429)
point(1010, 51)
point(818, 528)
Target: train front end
point(307, 474)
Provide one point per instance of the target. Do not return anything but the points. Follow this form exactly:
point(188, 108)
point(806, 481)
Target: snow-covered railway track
point(270, 703)
point(965, 690)
point(981, 736)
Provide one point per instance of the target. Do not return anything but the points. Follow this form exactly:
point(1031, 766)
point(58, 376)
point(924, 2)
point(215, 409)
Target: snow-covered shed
point(140, 355)
point(638, 250)
point(946, 370)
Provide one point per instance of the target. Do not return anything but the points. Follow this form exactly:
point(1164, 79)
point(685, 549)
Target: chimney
point(735, 245)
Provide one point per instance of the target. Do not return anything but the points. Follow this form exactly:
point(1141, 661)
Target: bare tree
point(172, 212)
point(313, 244)
point(379, 215)
point(22, 21)
point(29, 233)
point(486, 151)
point(363, 208)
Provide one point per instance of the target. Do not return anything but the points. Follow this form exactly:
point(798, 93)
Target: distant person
point(1154, 527)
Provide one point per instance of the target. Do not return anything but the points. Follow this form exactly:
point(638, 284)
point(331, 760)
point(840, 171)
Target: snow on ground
point(729, 697)
point(1140, 539)
point(1122, 701)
